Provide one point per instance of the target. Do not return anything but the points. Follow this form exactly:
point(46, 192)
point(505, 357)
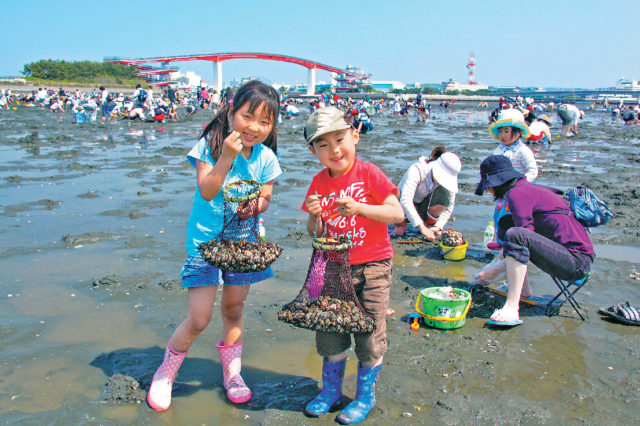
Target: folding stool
point(567, 291)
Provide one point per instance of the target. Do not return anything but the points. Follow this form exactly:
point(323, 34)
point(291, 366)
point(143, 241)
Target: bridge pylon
point(217, 70)
point(311, 82)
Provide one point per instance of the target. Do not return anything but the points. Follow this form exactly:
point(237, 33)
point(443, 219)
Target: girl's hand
point(248, 209)
point(232, 145)
point(313, 205)
point(347, 206)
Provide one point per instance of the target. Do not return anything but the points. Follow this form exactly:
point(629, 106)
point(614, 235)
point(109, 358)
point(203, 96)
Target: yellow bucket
point(454, 253)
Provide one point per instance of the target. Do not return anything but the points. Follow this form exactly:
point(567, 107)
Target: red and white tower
point(471, 66)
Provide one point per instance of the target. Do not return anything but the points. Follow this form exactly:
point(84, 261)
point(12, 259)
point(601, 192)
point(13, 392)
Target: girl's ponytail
point(216, 131)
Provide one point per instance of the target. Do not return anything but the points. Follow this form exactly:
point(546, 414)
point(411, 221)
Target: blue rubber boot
point(331, 393)
point(359, 408)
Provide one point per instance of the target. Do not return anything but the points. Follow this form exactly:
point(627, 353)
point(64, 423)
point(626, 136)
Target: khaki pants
point(372, 282)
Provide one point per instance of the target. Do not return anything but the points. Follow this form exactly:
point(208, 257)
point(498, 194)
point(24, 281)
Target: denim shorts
point(196, 272)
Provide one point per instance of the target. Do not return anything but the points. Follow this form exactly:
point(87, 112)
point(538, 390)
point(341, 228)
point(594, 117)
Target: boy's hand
point(347, 206)
point(232, 145)
point(313, 205)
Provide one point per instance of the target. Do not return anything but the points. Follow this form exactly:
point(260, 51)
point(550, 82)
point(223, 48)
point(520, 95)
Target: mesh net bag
point(238, 247)
point(327, 300)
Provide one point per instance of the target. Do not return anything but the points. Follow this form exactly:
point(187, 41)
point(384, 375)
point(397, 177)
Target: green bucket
point(443, 313)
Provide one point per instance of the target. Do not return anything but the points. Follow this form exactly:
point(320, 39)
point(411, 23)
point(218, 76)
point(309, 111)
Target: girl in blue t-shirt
point(239, 143)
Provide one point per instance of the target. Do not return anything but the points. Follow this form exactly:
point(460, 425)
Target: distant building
point(386, 86)
point(353, 82)
point(237, 82)
point(471, 86)
point(321, 86)
point(14, 80)
point(451, 85)
point(624, 84)
point(188, 79)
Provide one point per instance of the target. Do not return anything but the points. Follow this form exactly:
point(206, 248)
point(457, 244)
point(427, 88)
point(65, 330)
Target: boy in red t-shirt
point(351, 198)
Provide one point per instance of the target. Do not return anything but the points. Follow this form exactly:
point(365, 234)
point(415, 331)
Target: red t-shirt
point(365, 183)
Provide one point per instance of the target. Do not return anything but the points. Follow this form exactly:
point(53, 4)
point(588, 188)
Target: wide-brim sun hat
point(322, 121)
point(445, 171)
point(546, 119)
point(494, 171)
point(509, 118)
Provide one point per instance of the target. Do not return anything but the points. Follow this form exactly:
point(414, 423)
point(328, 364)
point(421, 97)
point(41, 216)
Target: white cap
point(445, 171)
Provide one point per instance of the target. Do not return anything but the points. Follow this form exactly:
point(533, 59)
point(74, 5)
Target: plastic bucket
point(454, 253)
point(443, 313)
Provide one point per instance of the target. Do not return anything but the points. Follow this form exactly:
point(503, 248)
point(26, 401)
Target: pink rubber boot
point(237, 390)
point(159, 395)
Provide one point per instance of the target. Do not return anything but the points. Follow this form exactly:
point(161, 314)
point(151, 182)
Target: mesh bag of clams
point(238, 247)
point(327, 301)
point(452, 238)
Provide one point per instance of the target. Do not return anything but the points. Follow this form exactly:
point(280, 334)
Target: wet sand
point(93, 222)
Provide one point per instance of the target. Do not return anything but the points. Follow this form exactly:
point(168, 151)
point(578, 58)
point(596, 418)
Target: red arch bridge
point(217, 58)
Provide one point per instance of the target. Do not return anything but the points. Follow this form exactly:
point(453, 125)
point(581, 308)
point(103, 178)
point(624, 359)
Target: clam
point(327, 314)
point(452, 238)
point(240, 255)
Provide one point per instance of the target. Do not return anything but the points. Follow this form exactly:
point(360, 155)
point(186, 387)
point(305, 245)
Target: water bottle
point(488, 233)
point(261, 230)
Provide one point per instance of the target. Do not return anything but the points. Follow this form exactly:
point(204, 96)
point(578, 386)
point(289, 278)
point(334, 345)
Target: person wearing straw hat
point(508, 129)
point(428, 193)
point(544, 232)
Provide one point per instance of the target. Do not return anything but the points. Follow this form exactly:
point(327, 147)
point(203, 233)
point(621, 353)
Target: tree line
point(48, 69)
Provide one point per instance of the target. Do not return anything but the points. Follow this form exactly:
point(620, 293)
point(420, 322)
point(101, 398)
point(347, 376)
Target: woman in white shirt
point(428, 193)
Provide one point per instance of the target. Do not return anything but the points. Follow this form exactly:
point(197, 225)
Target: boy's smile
point(336, 150)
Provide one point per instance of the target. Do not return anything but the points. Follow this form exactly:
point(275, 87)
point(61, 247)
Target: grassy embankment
point(56, 73)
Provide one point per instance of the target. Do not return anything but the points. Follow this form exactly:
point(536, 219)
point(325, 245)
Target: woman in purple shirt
point(544, 232)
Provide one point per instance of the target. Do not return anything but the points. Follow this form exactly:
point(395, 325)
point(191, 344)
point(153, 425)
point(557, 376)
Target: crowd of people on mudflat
point(143, 104)
point(159, 105)
point(348, 198)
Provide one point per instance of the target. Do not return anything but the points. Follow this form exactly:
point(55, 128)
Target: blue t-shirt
point(206, 218)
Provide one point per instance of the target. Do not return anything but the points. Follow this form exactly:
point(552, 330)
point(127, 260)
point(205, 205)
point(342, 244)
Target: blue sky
point(528, 43)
